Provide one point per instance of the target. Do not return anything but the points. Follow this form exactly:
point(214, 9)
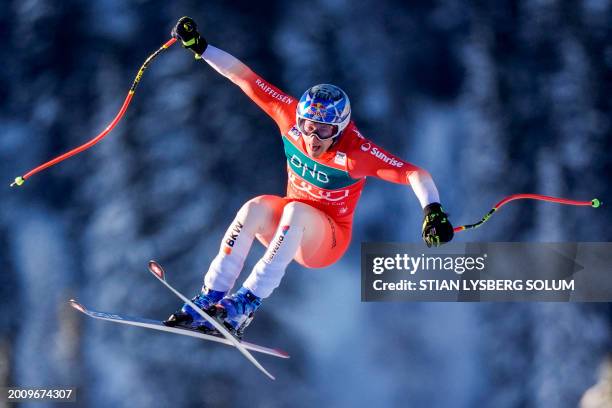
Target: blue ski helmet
point(324, 103)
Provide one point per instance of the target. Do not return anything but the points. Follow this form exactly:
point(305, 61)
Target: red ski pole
point(595, 203)
point(21, 179)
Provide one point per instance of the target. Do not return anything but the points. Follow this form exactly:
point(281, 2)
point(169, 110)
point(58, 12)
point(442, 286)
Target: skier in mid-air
point(328, 161)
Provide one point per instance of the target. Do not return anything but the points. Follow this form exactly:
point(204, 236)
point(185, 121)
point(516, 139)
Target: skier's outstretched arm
point(277, 104)
point(371, 160)
point(270, 99)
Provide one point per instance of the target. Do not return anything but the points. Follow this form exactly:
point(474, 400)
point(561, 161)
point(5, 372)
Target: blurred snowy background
point(492, 97)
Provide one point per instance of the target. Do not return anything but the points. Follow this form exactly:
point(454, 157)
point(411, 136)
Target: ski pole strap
point(595, 203)
point(21, 179)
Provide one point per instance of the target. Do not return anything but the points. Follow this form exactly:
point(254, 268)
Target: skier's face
point(317, 137)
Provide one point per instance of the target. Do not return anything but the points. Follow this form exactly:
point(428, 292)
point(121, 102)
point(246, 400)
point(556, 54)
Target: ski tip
point(157, 270)
point(77, 305)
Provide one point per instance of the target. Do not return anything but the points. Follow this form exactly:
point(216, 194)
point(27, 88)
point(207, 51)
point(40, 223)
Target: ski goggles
point(321, 131)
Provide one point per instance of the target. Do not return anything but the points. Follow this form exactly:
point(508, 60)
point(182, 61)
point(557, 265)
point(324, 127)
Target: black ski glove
point(186, 30)
point(437, 229)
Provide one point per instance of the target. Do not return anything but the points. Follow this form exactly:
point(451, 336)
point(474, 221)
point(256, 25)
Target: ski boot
point(188, 318)
point(236, 311)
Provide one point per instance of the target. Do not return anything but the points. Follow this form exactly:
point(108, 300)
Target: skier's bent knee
point(255, 207)
point(296, 211)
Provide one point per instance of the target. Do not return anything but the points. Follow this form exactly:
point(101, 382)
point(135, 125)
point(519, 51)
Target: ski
point(158, 325)
point(157, 271)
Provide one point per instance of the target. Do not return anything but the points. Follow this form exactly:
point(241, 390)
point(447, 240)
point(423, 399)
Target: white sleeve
point(424, 187)
point(223, 62)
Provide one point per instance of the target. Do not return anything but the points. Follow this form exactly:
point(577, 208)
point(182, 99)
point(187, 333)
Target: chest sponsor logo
point(304, 170)
point(321, 174)
point(312, 191)
point(340, 158)
point(365, 147)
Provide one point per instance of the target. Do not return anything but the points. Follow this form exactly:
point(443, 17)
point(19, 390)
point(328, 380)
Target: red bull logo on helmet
point(317, 110)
